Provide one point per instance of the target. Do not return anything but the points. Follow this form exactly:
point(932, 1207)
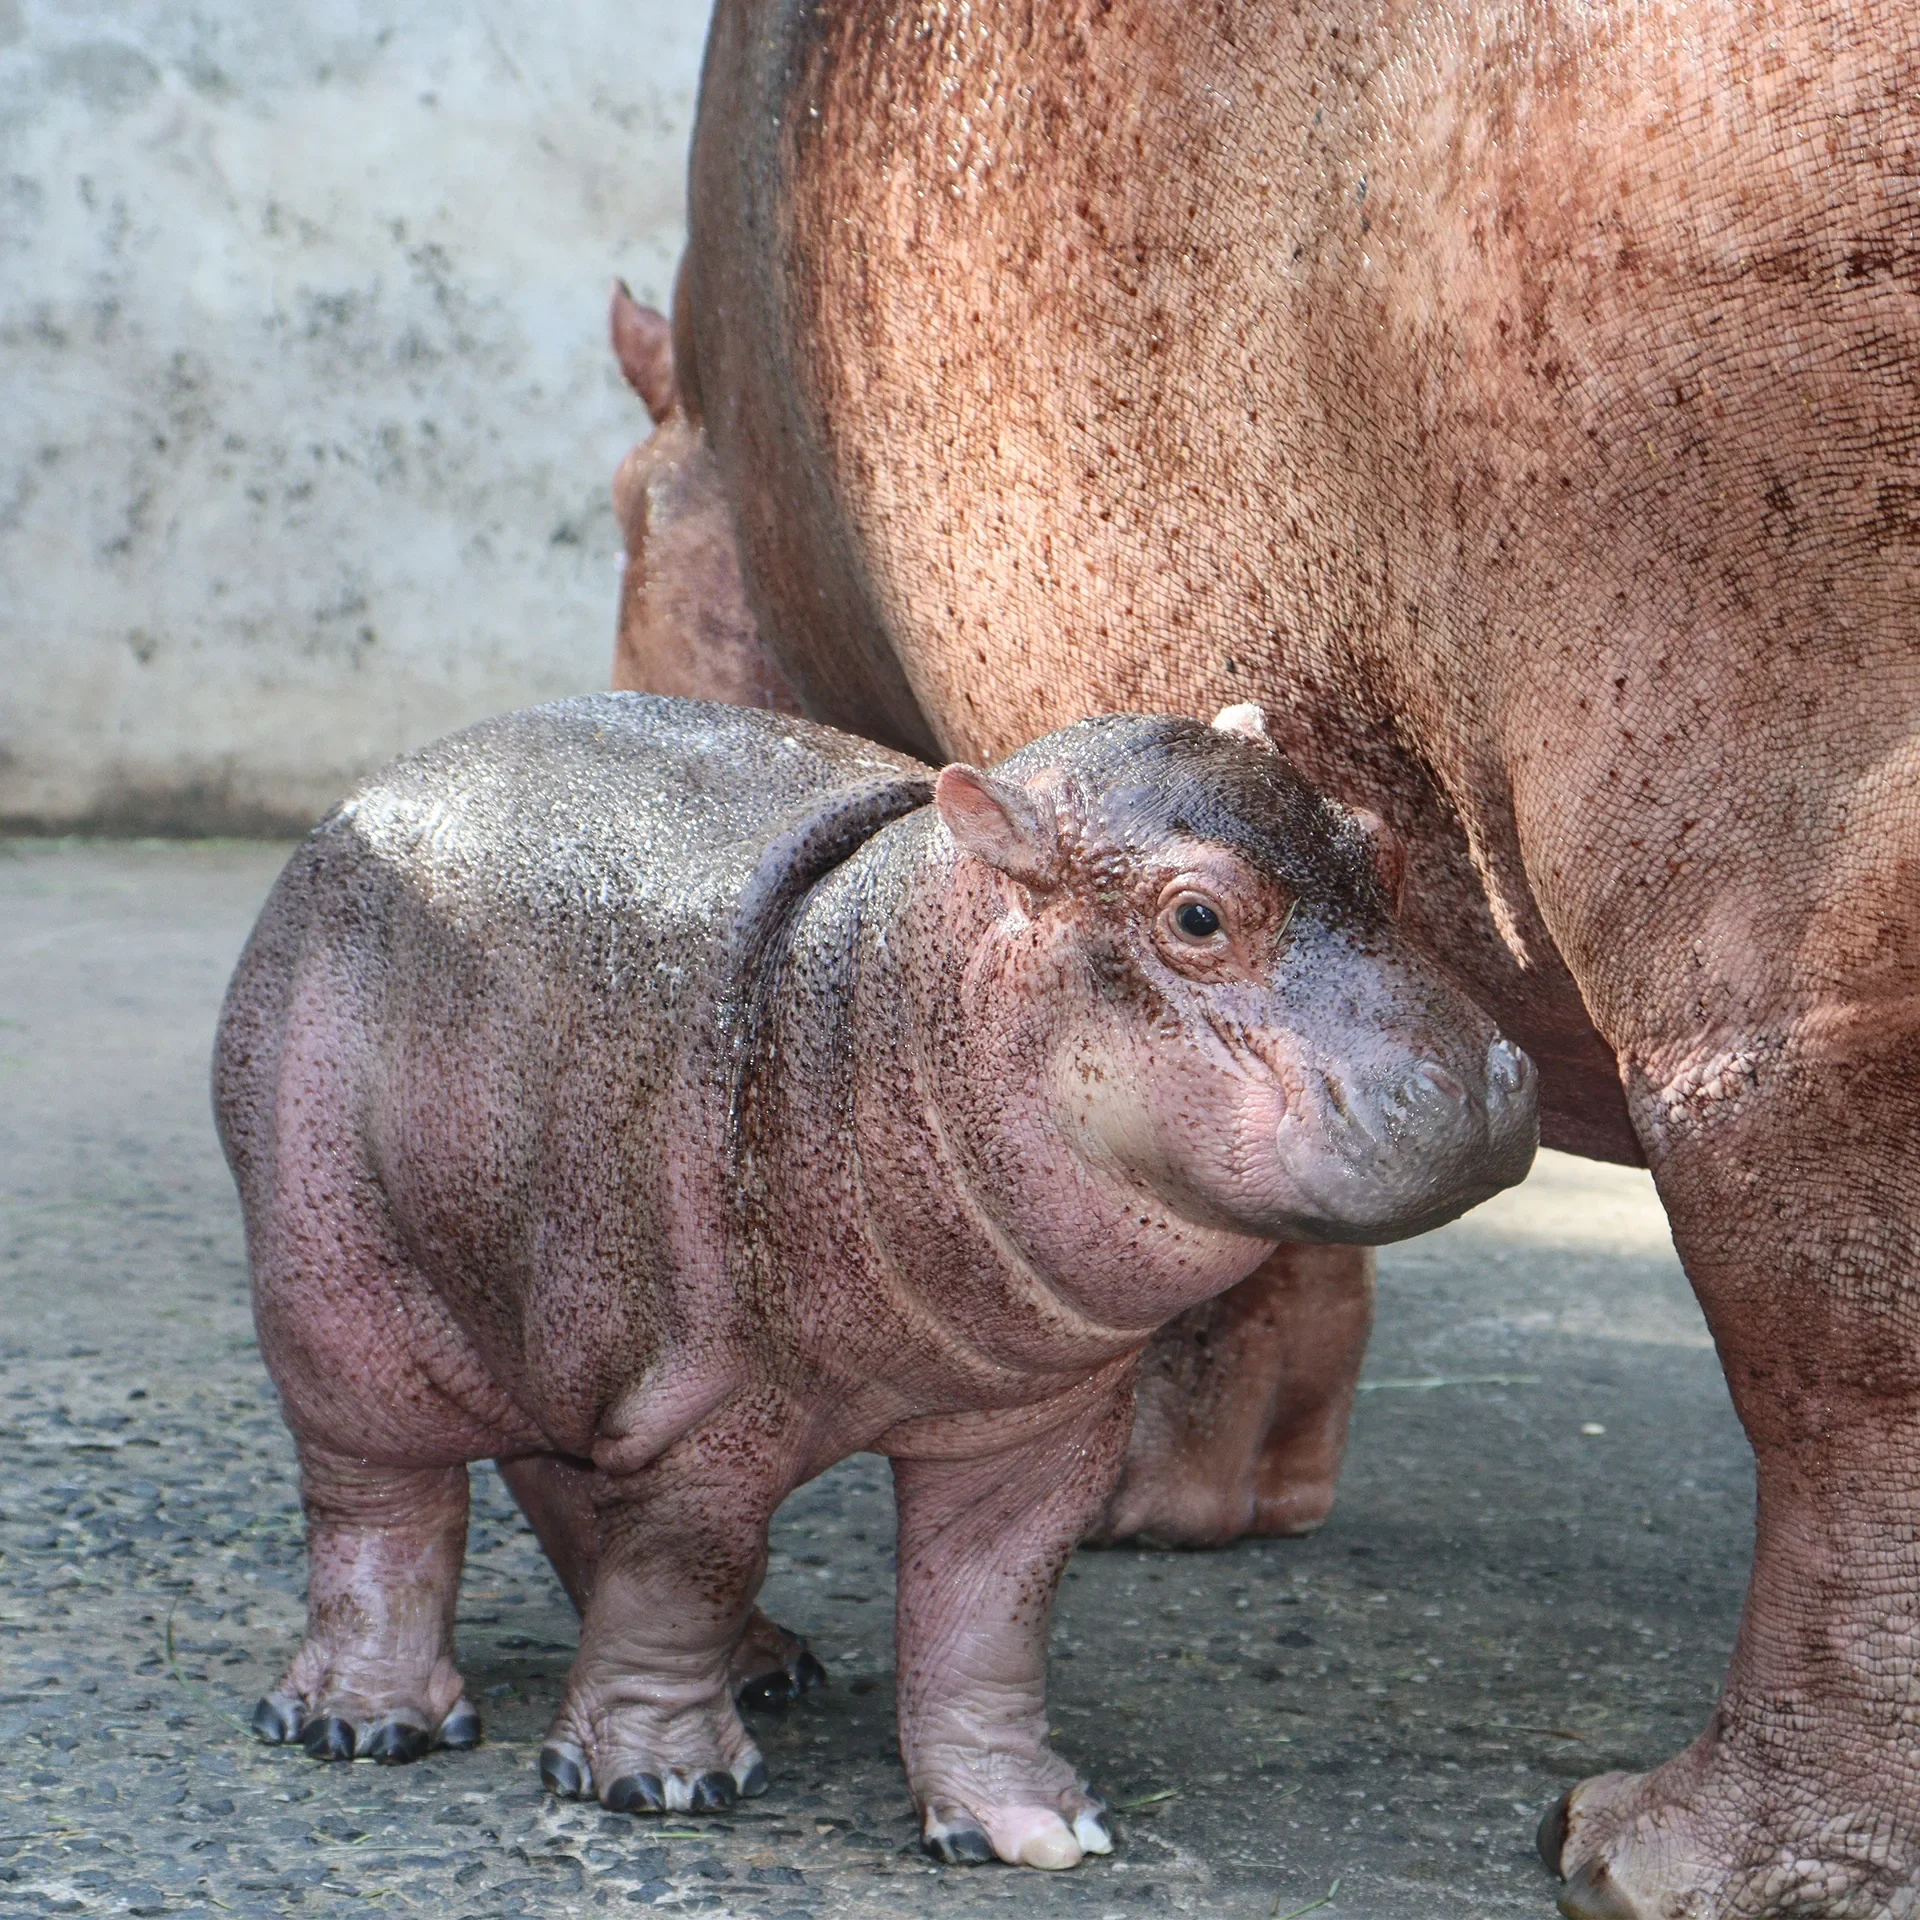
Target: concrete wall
point(306, 411)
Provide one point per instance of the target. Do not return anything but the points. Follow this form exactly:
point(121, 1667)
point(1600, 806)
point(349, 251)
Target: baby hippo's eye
point(1196, 921)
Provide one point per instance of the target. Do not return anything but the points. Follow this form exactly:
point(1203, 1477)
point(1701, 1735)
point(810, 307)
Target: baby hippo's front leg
point(985, 1532)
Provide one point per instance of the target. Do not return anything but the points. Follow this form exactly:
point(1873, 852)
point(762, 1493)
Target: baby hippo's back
point(585, 825)
point(493, 985)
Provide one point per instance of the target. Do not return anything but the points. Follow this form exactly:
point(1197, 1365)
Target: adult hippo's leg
point(1765, 1006)
point(1787, 1166)
point(1241, 1412)
point(560, 1497)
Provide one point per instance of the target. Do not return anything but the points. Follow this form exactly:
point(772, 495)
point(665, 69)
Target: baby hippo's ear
point(1247, 720)
point(1000, 824)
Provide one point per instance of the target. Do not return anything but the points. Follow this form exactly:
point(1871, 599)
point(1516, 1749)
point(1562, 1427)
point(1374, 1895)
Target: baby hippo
point(668, 1099)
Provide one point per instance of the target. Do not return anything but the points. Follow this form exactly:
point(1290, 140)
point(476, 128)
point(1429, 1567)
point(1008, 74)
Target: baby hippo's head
point(1194, 966)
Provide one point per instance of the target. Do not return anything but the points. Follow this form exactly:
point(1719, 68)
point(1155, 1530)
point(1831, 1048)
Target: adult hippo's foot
point(1720, 1831)
point(1240, 1417)
point(1802, 1797)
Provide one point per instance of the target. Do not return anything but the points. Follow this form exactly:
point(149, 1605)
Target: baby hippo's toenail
point(958, 1846)
point(714, 1793)
point(1092, 1833)
point(1051, 1852)
point(638, 1793)
point(461, 1728)
point(395, 1743)
point(277, 1719)
point(328, 1738)
point(770, 1692)
point(753, 1782)
point(563, 1770)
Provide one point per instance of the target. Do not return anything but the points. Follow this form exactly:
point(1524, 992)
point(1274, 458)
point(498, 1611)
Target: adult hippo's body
point(1524, 405)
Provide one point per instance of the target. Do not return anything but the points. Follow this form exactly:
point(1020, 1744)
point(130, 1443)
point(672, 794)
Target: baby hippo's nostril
point(1508, 1069)
point(1439, 1079)
point(1425, 1099)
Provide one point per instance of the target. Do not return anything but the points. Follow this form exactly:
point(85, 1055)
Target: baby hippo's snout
point(1408, 1141)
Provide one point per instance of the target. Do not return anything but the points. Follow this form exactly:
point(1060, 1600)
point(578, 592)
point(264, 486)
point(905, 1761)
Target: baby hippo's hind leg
point(648, 1724)
point(770, 1667)
point(375, 1678)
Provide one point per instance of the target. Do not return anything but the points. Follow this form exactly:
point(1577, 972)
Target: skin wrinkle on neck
point(940, 1334)
point(1030, 1283)
point(1026, 1284)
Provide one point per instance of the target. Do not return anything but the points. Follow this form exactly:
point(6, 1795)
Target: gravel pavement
point(1533, 1574)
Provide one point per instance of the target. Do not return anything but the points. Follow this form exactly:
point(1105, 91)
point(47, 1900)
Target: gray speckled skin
point(663, 1098)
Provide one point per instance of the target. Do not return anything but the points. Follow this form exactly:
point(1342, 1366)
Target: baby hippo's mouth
point(1369, 1162)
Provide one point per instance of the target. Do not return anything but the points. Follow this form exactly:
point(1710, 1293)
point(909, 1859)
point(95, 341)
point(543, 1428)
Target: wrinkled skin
point(1518, 403)
point(662, 1098)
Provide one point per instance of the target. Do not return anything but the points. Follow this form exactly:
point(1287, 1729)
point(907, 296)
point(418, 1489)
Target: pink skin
point(1242, 1403)
point(1519, 404)
point(1005, 1106)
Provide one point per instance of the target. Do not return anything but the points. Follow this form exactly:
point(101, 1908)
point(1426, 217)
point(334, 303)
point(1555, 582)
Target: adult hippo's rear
point(1523, 403)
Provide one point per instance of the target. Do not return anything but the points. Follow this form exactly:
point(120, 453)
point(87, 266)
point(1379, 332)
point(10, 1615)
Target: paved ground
point(1533, 1574)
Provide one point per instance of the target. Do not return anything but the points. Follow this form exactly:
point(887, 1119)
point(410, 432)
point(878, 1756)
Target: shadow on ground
point(1533, 1573)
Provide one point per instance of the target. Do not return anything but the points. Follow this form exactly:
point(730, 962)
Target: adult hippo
point(1521, 404)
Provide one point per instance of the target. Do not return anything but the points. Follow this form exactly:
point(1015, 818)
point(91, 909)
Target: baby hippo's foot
point(340, 1707)
point(643, 1747)
point(1027, 1807)
point(771, 1668)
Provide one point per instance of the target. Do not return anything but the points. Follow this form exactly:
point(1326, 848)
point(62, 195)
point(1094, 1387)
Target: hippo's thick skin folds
point(664, 1099)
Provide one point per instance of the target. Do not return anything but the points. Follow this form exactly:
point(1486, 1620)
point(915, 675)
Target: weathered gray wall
point(306, 412)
